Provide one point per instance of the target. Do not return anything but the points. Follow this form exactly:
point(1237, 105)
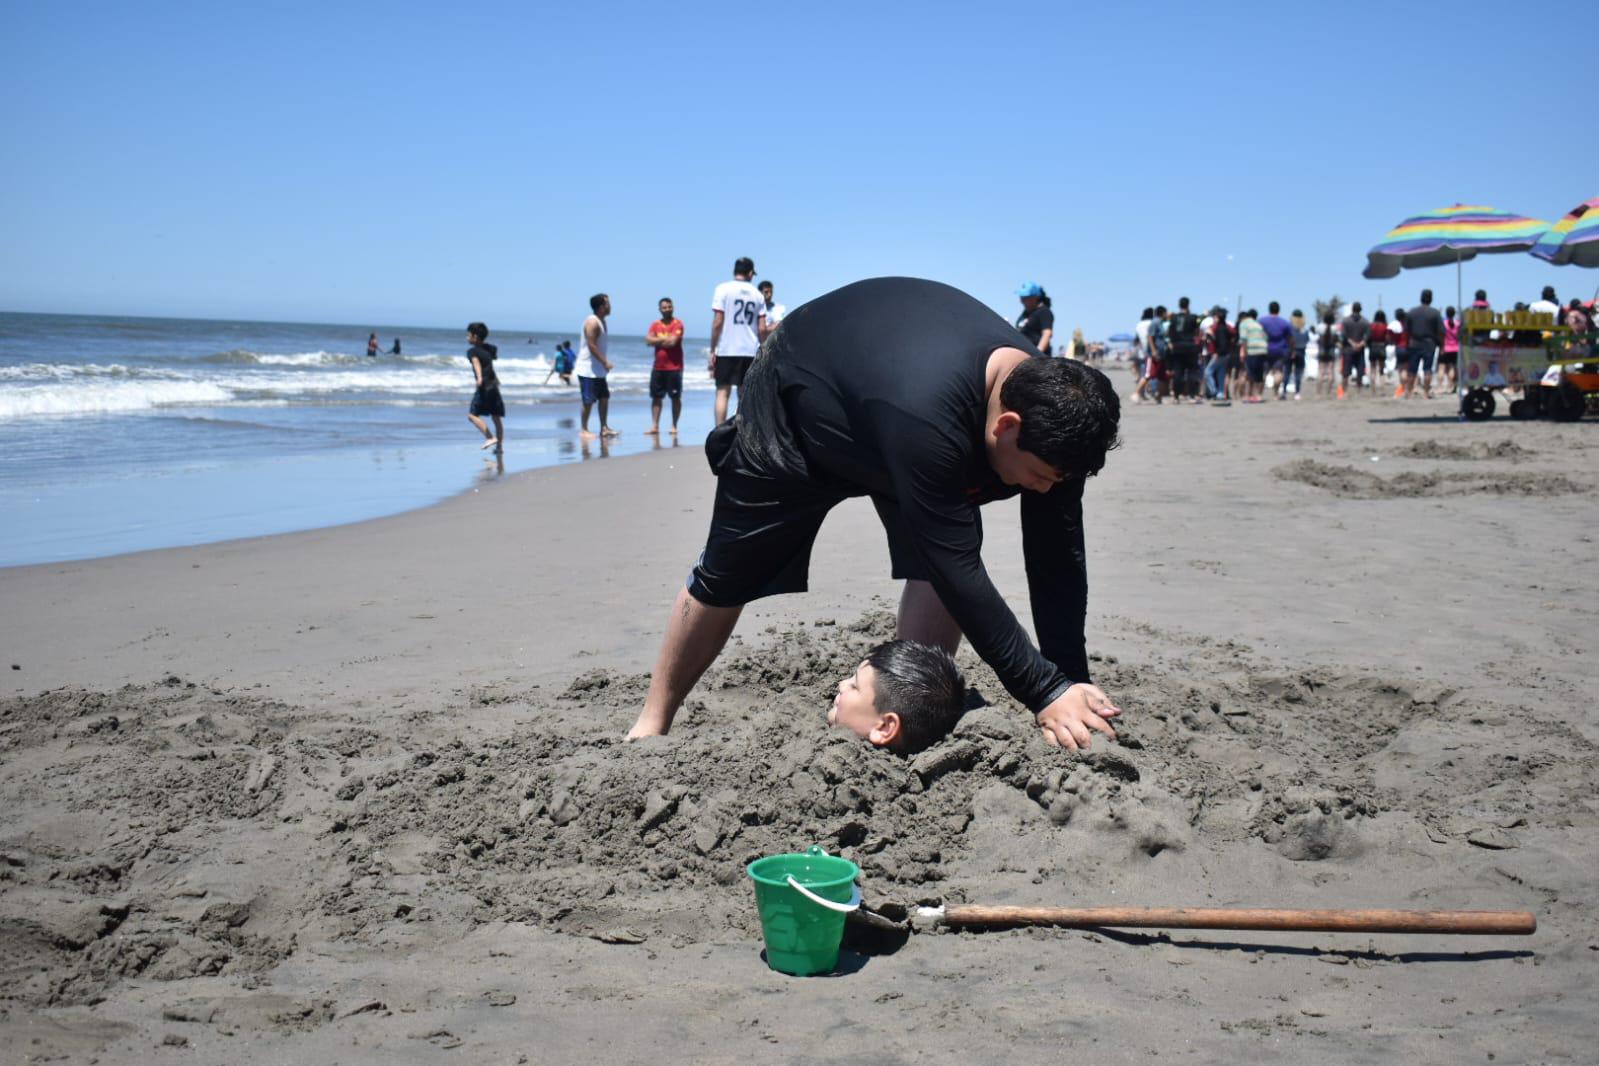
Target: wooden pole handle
point(1479, 923)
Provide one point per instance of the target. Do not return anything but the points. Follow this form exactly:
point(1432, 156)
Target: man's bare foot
point(646, 727)
point(609, 432)
point(586, 435)
point(652, 432)
point(674, 431)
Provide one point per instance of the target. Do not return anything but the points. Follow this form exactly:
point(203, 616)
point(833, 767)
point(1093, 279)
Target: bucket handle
point(854, 903)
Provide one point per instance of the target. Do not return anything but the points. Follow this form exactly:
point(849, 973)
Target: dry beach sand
point(357, 795)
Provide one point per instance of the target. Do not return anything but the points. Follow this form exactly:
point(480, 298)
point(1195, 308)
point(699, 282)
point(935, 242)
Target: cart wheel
point(1477, 405)
point(1568, 403)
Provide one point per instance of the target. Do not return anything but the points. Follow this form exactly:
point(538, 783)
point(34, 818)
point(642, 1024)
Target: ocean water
point(124, 434)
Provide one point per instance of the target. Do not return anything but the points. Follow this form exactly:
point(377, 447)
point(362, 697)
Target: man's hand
point(1082, 707)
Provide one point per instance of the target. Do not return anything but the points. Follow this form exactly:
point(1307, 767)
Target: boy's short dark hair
point(744, 265)
point(478, 330)
point(595, 301)
point(1070, 413)
point(922, 685)
point(1273, 308)
point(765, 284)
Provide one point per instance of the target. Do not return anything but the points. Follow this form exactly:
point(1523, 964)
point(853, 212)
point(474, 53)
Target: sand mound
point(1433, 449)
point(188, 832)
point(1352, 483)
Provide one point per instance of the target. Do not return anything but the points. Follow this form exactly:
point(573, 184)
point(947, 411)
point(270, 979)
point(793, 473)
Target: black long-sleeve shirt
point(881, 385)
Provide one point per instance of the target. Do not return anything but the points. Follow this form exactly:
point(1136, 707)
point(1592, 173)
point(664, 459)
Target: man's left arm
point(1057, 574)
point(1057, 585)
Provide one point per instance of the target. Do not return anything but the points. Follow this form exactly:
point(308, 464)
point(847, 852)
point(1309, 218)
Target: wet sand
point(358, 794)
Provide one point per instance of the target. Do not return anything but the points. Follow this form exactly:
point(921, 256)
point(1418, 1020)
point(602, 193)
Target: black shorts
point(666, 383)
point(730, 370)
point(1420, 360)
point(762, 529)
point(1255, 367)
point(486, 401)
point(1448, 358)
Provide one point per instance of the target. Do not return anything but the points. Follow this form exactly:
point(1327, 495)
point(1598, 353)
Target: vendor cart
point(1551, 372)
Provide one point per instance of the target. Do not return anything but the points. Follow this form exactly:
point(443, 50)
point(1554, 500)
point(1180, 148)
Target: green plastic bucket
point(803, 900)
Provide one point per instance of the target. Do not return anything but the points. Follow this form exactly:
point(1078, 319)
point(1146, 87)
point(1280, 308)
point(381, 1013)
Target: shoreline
point(368, 482)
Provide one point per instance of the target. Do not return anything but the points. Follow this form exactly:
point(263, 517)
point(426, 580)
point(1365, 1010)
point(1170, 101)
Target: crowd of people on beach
point(1181, 357)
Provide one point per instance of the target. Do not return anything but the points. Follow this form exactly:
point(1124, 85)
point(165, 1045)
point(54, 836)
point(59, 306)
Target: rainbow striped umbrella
point(1574, 240)
point(1451, 235)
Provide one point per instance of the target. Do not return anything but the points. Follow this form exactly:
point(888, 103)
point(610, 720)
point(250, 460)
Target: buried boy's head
point(905, 697)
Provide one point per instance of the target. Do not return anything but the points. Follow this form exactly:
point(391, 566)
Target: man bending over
point(919, 396)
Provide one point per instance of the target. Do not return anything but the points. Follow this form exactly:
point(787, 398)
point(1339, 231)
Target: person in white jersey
point(774, 311)
point(738, 318)
point(593, 365)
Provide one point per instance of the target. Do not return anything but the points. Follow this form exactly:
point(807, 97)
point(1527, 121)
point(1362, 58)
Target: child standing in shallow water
point(486, 401)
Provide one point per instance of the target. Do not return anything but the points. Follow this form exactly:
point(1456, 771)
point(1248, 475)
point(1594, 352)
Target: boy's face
point(855, 709)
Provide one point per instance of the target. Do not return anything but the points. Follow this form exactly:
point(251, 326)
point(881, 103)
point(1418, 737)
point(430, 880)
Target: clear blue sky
point(428, 164)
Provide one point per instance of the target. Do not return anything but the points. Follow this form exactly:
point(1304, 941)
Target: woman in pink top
point(1449, 358)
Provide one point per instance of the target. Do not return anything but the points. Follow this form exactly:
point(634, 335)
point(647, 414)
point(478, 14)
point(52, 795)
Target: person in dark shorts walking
point(919, 396)
point(666, 377)
point(486, 400)
point(738, 321)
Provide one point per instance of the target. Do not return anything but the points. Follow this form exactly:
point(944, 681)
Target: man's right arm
point(942, 525)
point(716, 333)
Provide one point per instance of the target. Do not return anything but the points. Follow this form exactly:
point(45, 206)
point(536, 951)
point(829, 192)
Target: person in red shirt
point(666, 378)
point(1377, 352)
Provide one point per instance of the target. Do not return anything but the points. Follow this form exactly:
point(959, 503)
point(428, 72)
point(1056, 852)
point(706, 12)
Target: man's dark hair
point(1355, 309)
point(595, 301)
point(1482, 294)
point(664, 300)
point(478, 330)
point(1160, 309)
point(744, 265)
point(1549, 293)
point(922, 685)
point(1400, 314)
point(766, 284)
point(1426, 296)
point(1273, 307)
point(1069, 411)
point(1297, 313)
point(1182, 304)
